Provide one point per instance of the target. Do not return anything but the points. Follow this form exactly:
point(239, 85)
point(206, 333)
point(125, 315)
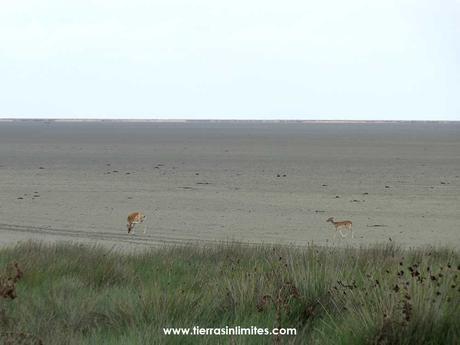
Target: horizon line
point(178, 120)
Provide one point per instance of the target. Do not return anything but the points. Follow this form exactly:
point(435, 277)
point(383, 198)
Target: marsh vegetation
point(76, 294)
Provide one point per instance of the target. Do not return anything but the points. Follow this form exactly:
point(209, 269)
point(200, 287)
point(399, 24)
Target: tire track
point(155, 240)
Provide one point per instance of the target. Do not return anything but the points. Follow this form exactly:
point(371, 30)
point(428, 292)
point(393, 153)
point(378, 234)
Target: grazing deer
point(347, 224)
point(135, 218)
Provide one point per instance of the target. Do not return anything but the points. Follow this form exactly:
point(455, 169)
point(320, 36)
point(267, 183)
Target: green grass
point(74, 294)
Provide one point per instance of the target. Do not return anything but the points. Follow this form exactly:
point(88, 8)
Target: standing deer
point(135, 218)
point(347, 224)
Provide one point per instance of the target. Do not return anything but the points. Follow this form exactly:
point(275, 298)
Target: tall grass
point(75, 294)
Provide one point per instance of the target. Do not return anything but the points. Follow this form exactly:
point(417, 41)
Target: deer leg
point(341, 233)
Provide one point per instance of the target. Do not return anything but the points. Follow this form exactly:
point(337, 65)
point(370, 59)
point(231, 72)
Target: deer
point(347, 224)
point(135, 218)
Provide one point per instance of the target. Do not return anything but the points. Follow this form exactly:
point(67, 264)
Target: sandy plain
point(246, 181)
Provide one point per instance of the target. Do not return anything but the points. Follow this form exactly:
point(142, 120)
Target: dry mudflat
point(250, 182)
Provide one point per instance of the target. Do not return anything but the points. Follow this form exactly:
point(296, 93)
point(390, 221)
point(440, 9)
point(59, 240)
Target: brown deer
point(135, 218)
point(347, 224)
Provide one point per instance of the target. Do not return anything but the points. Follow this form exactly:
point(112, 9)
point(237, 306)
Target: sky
point(239, 59)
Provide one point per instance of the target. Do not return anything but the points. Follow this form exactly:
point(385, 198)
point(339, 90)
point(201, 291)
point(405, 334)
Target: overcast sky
point(259, 59)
